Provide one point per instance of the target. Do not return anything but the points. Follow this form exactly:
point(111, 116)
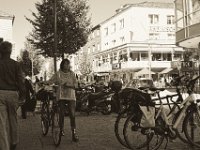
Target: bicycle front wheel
point(45, 118)
point(191, 128)
point(57, 121)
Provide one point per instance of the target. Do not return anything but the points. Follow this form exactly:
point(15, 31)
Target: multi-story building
point(187, 31)
point(187, 23)
point(137, 36)
point(6, 29)
point(83, 60)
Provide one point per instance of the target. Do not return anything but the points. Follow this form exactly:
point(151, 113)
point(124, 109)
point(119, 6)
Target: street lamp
point(55, 35)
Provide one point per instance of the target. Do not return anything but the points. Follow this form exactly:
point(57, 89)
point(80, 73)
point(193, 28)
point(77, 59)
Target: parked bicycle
point(163, 127)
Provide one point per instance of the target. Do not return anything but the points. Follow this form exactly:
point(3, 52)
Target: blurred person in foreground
point(11, 96)
point(67, 83)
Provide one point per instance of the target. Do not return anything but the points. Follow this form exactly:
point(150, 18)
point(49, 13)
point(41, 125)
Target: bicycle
point(163, 128)
point(53, 117)
point(45, 112)
point(133, 123)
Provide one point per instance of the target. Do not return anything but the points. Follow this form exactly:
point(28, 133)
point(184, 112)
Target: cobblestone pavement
point(96, 132)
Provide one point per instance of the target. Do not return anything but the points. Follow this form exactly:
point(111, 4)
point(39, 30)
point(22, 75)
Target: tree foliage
point(73, 26)
point(85, 62)
point(27, 57)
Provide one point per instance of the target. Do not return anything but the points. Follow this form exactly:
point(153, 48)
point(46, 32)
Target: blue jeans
point(8, 119)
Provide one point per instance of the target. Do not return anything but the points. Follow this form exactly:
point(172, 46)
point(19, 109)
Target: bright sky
point(99, 10)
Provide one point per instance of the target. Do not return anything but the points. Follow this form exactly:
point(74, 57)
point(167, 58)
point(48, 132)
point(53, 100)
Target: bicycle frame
point(183, 106)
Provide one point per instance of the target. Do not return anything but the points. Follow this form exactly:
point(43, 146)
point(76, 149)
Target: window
point(106, 31)
point(122, 39)
point(171, 36)
point(131, 35)
point(153, 19)
point(89, 50)
point(177, 56)
point(106, 44)
point(144, 56)
point(153, 36)
point(93, 48)
point(113, 27)
point(167, 57)
point(121, 23)
point(170, 19)
point(113, 42)
point(156, 57)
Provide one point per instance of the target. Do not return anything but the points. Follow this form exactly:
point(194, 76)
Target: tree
point(30, 60)
point(85, 62)
point(25, 62)
point(72, 26)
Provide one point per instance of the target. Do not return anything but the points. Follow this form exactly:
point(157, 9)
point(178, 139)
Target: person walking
point(67, 82)
point(11, 96)
point(27, 105)
point(116, 85)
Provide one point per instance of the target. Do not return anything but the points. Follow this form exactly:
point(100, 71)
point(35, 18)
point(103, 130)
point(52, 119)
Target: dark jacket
point(11, 76)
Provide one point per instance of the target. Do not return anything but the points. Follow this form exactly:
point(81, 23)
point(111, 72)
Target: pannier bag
point(148, 116)
point(140, 102)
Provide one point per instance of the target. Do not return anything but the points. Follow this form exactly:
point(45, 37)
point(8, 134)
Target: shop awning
point(169, 71)
point(144, 71)
point(101, 74)
point(166, 70)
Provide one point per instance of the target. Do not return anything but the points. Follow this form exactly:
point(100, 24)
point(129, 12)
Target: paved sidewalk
point(96, 132)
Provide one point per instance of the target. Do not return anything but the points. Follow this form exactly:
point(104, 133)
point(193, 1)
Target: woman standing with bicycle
point(67, 82)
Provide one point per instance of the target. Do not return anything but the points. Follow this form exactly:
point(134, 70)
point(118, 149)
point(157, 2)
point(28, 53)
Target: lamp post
point(55, 35)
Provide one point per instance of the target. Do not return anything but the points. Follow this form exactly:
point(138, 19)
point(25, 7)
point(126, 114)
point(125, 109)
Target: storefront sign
point(161, 29)
point(186, 65)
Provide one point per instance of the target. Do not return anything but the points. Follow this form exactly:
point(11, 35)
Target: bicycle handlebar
point(192, 81)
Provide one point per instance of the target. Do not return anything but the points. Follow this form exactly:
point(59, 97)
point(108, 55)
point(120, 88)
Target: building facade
point(138, 36)
point(6, 29)
point(83, 59)
point(187, 31)
point(187, 23)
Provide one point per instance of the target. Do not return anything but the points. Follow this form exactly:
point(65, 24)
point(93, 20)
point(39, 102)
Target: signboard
point(161, 29)
point(186, 66)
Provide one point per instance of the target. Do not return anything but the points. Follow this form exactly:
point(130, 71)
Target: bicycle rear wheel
point(119, 126)
point(191, 127)
point(57, 118)
point(137, 137)
point(45, 117)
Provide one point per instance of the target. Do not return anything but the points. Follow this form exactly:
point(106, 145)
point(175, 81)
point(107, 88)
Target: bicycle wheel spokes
point(56, 129)
point(192, 128)
point(154, 141)
point(133, 134)
point(119, 126)
point(45, 119)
